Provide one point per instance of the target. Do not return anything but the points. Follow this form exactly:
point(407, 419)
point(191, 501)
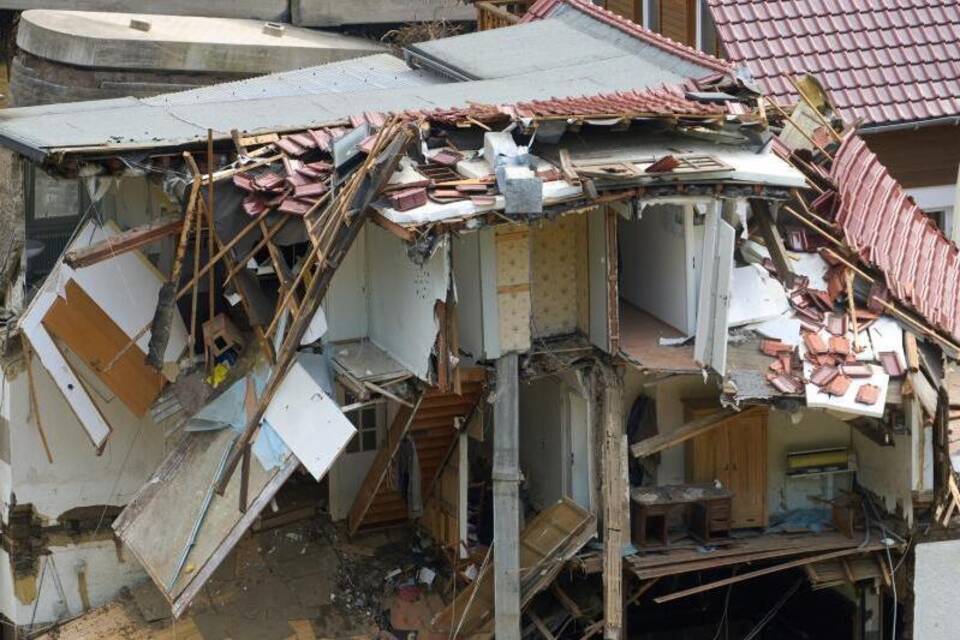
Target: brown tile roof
point(886, 61)
point(879, 221)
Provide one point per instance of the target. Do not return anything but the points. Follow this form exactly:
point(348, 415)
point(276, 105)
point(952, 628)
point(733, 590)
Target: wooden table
point(707, 509)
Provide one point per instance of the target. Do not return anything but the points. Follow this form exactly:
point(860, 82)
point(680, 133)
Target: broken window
point(368, 421)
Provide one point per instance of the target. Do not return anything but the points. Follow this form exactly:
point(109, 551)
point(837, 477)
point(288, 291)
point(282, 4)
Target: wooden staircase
point(430, 423)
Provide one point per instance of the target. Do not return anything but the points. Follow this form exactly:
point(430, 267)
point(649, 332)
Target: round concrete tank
point(69, 56)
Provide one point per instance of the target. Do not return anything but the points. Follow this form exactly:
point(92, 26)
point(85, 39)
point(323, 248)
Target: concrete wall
point(937, 599)
point(335, 13)
point(78, 477)
point(258, 9)
point(95, 564)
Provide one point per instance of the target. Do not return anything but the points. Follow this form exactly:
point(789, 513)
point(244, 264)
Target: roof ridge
point(543, 8)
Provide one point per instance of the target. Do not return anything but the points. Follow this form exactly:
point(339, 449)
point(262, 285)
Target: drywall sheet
point(512, 248)
point(179, 529)
point(558, 271)
point(403, 295)
point(710, 346)
point(755, 296)
point(308, 421)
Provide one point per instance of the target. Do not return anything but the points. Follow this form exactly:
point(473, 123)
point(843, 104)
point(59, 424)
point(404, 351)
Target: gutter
point(910, 126)
point(418, 59)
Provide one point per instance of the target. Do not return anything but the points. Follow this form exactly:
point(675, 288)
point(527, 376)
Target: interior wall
point(653, 257)
point(541, 439)
point(816, 430)
point(345, 304)
point(78, 476)
point(887, 471)
point(669, 395)
point(559, 274)
point(467, 274)
point(403, 295)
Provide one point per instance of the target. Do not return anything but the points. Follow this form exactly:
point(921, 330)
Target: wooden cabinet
point(735, 453)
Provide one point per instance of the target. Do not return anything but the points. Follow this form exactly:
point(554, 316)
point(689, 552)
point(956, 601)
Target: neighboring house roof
point(598, 21)
point(600, 56)
point(883, 224)
point(886, 62)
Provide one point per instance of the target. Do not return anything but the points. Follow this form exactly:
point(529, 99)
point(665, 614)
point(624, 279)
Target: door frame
point(568, 453)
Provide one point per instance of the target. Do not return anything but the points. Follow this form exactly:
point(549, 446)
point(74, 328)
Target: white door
point(351, 467)
point(578, 450)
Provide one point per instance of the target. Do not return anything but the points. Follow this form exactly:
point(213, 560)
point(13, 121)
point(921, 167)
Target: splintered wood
point(332, 233)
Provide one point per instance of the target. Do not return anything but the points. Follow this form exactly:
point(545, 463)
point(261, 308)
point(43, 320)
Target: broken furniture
point(220, 336)
point(706, 509)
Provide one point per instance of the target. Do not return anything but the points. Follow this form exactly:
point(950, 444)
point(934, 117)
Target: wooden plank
point(773, 241)
point(562, 530)
point(692, 429)
point(754, 574)
point(123, 242)
point(615, 520)
point(91, 334)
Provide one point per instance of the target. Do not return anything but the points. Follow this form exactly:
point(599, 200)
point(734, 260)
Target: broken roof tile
point(823, 375)
point(838, 386)
point(815, 343)
point(868, 394)
point(891, 363)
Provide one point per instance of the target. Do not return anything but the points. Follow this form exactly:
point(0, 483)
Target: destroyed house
point(614, 355)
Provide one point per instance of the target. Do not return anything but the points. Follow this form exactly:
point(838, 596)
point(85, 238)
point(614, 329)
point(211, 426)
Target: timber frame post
point(614, 498)
point(506, 500)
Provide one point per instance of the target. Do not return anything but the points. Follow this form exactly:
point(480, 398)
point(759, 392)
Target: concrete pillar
point(506, 500)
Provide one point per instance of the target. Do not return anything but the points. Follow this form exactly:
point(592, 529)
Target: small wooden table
point(707, 508)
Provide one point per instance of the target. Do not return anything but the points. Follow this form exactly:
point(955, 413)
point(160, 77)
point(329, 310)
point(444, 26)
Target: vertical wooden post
point(615, 517)
point(771, 237)
point(506, 500)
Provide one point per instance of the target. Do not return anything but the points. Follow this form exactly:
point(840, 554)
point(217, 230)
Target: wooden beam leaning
point(364, 186)
point(692, 429)
point(124, 242)
point(771, 237)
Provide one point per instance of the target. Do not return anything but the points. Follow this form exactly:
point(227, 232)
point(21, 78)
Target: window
point(367, 421)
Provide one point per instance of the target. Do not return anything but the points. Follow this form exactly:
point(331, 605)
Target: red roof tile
point(885, 62)
point(544, 8)
point(889, 231)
